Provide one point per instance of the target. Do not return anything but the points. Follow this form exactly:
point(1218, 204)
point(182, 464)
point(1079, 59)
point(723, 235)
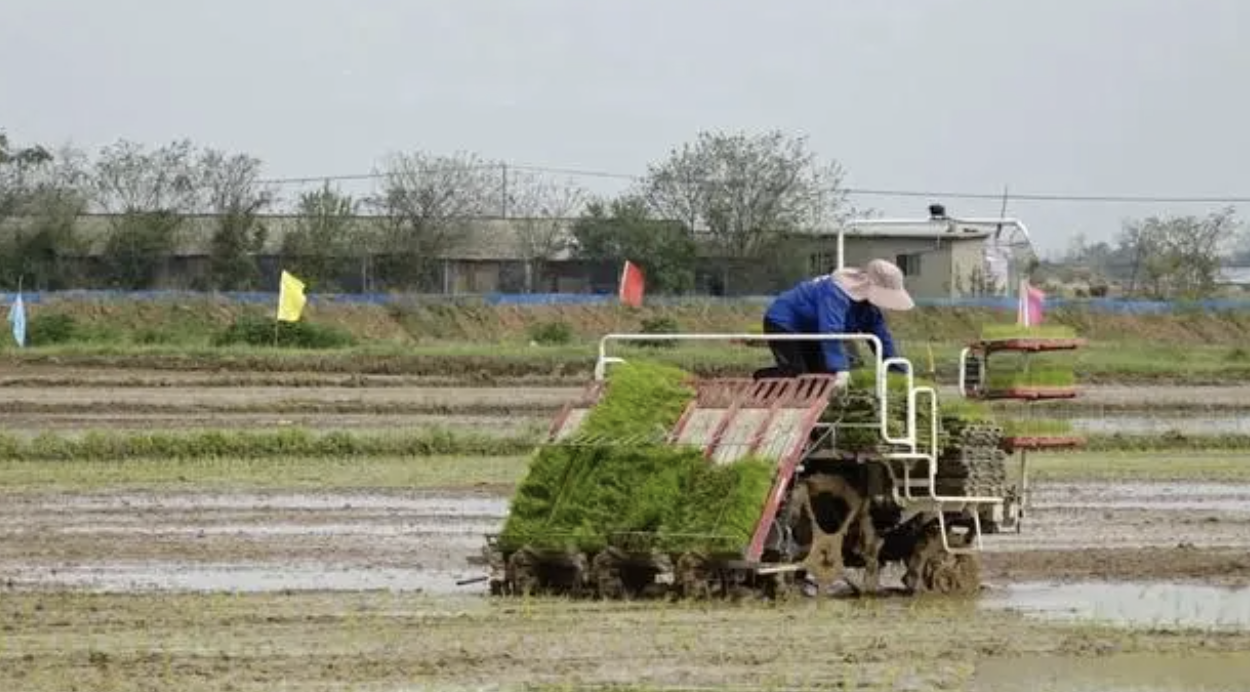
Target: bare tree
point(544, 211)
point(746, 190)
point(148, 195)
point(235, 194)
point(128, 178)
point(1179, 256)
point(429, 202)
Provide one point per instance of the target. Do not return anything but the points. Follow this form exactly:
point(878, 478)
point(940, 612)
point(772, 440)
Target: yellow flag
point(290, 298)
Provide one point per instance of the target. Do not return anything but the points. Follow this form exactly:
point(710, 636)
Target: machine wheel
point(522, 572)
point(580, 576)
point(824, 508)
point(605, 571)
point(692, 576)
point(933, 570)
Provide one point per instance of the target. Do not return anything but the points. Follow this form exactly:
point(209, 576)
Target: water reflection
point(1164, 605)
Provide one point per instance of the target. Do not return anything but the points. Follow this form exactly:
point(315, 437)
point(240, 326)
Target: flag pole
point(277, 322)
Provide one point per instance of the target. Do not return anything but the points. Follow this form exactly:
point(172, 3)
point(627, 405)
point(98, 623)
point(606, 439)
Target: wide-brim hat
point(879, 282)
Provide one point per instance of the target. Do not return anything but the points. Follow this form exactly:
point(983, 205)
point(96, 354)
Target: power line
point(852, 191)
point(1014, 196)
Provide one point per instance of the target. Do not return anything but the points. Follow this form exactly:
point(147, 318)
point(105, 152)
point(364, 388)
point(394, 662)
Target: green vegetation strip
point(1099, 363)
point(304, 443)
point(501, 474)
point(496, 474)
point(1210, 465)
point(218, 444)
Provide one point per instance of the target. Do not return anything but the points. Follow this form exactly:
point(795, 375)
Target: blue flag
point(17, 316)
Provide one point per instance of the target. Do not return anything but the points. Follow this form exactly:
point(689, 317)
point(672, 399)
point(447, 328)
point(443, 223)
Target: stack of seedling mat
point(1031, 364)
point(857, 412)
point(1022, 362)
point(971, 461)
point(970, 458)
point(617, 484)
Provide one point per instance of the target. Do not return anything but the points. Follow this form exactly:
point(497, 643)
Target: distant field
point(478, 342)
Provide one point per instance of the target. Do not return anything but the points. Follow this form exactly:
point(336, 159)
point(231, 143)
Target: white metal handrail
point(881, 365)
point(883, 390)
point(963, 372)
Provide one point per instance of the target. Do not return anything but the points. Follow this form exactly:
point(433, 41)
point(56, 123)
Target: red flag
point(1029, 308)
point(631, 285)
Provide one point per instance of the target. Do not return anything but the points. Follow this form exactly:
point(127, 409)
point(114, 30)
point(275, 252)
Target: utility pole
point(503, 187)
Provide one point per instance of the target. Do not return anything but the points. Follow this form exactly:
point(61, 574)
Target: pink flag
point(1029, 307)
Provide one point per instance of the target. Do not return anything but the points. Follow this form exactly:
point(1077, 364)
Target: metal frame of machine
point(972, 361)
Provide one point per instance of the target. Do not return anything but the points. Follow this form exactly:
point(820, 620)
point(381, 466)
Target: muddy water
point(239, 578)
point(428, 540)
point(1140, 425)
point(1070, 516)
point(1158, 606)
point(1116, 673)
point(1232, 498)
point(246, 541)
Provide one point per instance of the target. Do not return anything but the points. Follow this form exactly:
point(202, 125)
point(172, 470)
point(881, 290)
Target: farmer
point(847, 301)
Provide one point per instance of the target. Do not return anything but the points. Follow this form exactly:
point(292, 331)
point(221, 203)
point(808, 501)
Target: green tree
point(17, 165)
point(148, 195)
point(41, 198)
point(624, 229)
point(236, 196)
point(1178, 257)
point(326, 237)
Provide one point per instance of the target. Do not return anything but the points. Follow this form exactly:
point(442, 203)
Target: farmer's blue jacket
point(820, 305)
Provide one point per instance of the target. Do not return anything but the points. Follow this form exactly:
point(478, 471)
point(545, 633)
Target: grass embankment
point(225, 460)
point(477, 342)
point(380, 640)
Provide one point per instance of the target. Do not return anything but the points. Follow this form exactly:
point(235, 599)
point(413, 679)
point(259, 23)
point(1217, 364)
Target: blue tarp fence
point(1105, 305)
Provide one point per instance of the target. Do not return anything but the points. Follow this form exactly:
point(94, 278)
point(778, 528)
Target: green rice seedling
point(965, 409)
point(857, 411)
point(1008, 370)
point(1033, 377)
point(615, 471)
point(719, 506)
point(618, 483)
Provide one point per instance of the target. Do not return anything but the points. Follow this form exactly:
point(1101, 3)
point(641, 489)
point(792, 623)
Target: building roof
point(915, 230)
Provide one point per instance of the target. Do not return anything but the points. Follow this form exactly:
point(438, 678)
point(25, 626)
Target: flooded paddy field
point(295, 574)
point(357, 589)
point(425, 540)
point(189, 401)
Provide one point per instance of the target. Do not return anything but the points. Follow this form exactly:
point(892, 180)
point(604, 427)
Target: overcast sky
point(1121, 97)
